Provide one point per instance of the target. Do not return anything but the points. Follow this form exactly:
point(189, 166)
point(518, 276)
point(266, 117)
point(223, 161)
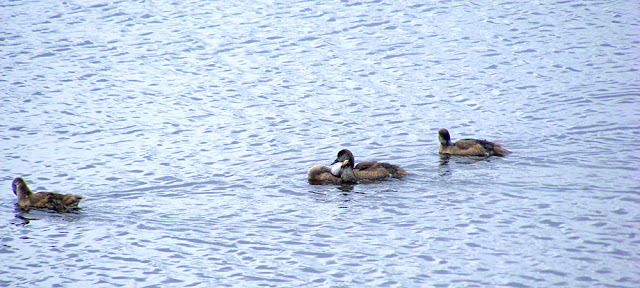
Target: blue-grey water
point(189, 126)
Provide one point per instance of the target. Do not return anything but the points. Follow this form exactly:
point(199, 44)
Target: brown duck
point(336, 173)
point(28, 199)
point(469, 147)
point(370, 170)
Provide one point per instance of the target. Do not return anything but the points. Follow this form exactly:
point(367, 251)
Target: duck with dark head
point(50, 200)
point(469, 147)
point(371, 170)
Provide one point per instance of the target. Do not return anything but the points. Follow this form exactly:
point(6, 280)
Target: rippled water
point(189, 128)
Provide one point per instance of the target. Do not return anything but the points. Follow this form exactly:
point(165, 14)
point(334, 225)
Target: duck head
point(19, 186)
point(444, 137)
point(345, 155)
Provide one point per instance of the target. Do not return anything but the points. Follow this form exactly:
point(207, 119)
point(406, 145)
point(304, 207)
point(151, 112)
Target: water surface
point(189, 128)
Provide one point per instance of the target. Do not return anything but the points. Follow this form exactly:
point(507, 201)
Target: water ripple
point(189, 128)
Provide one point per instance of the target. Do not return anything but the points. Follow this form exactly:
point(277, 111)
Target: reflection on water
point(190, 126)
point(445, 158)
point(24, 216)
point(346, 188)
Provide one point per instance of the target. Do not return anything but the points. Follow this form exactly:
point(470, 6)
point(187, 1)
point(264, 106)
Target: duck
point(469, 147)
point(336, 173)
point(50, 200)
point(370, 170)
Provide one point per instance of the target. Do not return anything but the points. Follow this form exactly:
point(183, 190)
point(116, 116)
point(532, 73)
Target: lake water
point(189, 128)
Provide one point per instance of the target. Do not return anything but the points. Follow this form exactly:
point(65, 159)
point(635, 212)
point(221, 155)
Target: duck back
point(373, 170)
point(474, 147)
point(54, 201)
point(321, 172)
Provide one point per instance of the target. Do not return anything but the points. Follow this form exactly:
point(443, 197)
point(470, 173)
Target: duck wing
point(378, 170)
point(490, 148)
point(469, 143)
point(54, 200)
point(366, 165)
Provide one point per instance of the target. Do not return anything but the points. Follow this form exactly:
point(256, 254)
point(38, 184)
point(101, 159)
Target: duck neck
point(23, 193)
point(347, 175)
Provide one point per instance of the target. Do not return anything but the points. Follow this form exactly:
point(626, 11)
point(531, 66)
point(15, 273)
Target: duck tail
point(499, 150)
point(395, 171)
point(71, 200)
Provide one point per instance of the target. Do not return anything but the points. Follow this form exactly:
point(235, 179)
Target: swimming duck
point(370, 170)
point(50, 200)
point(337, 173)
point(469, 147)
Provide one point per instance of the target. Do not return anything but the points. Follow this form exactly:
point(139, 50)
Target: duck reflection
point(21, 220)
point(445, 160)
point(444, 168)
point(346, 187)
point(24, 215)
